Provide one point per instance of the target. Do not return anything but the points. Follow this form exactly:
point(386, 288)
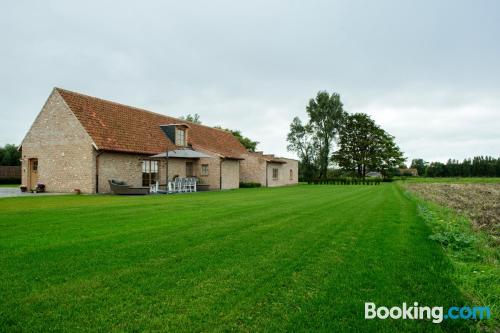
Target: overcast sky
point(427, 71)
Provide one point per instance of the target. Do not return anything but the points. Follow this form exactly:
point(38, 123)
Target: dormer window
point(177, 133)
point(180, 136)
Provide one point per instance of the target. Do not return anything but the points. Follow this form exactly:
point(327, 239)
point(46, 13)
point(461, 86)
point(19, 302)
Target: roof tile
point(118, 127)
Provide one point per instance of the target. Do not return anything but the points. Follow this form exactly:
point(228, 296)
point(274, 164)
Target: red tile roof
point(117, 127)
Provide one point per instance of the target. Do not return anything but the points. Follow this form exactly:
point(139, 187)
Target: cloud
point(428, 71)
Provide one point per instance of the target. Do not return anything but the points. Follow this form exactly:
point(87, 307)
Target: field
point(450, 180)
point(479, 202)
point(303, 258)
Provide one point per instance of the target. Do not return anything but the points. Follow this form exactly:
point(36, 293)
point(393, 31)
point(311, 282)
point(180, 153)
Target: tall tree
point(248, 143)
point(301, 140)
point(326, 114)
point(420, 165)
point(10, 155)
point(193, 118)
point(364, 146)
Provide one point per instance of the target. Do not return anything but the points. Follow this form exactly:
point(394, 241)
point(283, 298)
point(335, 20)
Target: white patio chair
point(192, 184)
point(177, 185)
point(154, 188)
point(195, 180)
point(184, 185)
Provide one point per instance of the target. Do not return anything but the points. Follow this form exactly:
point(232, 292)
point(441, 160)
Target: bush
point(450, 233)
point(249, 185)
point(10, 180)
point(346, 181)
point(454, 239)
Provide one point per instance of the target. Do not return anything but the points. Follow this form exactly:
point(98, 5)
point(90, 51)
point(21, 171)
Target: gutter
point(267, 177)
point(220, 172)
point(99, 153)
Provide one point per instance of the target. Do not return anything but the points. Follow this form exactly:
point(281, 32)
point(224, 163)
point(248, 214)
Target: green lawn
point(303, 258)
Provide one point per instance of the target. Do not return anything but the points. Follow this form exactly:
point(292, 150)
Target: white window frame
point(180, 137)
point(204, 169)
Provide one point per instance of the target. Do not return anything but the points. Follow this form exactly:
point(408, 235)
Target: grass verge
point(473, 253)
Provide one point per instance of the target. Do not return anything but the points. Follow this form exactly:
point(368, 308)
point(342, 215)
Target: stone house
point(81, 142)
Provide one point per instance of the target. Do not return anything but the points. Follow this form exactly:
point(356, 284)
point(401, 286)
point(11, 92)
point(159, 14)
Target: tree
point(10, 155)
point(478, 166)
point(195, 118)
point(435, 169)
point(301, 140)
point(364, 146)
point(248, 143)
point(326, 114)
point(420, 165)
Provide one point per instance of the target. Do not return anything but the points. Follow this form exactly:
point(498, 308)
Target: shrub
point(249, 185)
point(10, 180)
point(454, 239)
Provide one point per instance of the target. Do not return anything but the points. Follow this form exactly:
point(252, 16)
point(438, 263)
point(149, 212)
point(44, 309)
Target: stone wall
point(253, 169)
point(121, 167)
point(128, 168)
point(230, 174)
point(63, 148)
point(283, 173)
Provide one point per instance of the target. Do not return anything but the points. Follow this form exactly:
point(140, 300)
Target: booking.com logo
point(436, 313)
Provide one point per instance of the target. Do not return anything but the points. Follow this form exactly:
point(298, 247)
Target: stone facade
point(287, 173)
point(118, 166)
point(128, 168)
point(230, 174)
point(253, 169)
point(63, 148)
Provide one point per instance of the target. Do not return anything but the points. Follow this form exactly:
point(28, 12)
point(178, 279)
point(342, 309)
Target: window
point(180, 137)
point(275, 173)
point(149, 172)
point(204, 169)
point(291, 174)
point(189, 169)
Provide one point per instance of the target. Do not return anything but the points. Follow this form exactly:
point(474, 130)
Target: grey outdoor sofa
point(122, 188)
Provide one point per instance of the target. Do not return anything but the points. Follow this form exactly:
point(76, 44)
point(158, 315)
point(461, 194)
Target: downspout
point(220, 172)
point(99, 153)
point(267, 177)
point(166, 168)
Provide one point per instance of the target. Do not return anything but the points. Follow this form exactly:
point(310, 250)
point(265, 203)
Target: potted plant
point(23, 188)
point(40, 188)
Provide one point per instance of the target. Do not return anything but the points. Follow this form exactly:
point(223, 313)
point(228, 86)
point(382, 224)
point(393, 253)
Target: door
point(33, 172)
point(189, 169)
